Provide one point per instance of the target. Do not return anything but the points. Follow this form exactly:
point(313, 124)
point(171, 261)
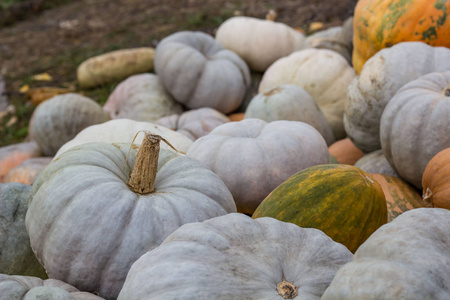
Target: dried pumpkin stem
point(142, 178)
point(287, 290)
point(428, 198)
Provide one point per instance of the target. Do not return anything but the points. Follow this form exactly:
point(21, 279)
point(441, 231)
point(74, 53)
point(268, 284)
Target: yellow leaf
point(42, 77)
point(315, 26)
point(25, 88)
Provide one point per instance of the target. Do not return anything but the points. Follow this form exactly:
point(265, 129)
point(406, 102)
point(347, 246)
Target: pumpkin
point(236, 117)
point(27, 171)
point(344, 202)
point(382, 76)
point(238, 258)
point(292, 103)
point(198, 72)
point(375, 162)
point(345, 151)
point(415, 125)
point(435, 180)
point(13, 155)
point(404, 259)
point(194, 123)
point(33, 288)
point(379, 24)
point(337, 38)
point(259, 42)
point(253, 157)
point(114, 66)
point(400, 196)
point(124, 131)
point(16, 257)
point(57, 120)
point(110, 205)
point(323, 73)
point(141, 97)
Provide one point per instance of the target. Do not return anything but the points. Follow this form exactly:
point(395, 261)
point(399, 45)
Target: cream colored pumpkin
point(323, 73)
point(124, 131)
point(259, 42)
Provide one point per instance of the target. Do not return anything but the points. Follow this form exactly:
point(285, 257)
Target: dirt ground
point(57, 40)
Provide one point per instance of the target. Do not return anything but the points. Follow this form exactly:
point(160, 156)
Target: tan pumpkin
point(345, 151)
point(436, 180)
point(400, 196)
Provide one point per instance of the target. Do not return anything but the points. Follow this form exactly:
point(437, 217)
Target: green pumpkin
point(343, 201)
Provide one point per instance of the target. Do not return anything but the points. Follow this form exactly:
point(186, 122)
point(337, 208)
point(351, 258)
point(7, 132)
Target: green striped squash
point(343, 201)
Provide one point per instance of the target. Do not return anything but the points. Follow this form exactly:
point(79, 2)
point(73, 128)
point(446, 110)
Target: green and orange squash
point(400, 196)
point(380, 24)
point(343, 201)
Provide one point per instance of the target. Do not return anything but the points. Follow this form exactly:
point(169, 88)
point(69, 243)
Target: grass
point(63, 67)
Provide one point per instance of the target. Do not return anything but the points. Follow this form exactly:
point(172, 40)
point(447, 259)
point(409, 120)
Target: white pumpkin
point(292, 103)
point(236, 257)
point(259, 42)
point(141, 97)
point(124, 131)
point(380, 78)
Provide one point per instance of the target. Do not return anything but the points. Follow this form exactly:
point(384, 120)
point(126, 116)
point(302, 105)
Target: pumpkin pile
point(221, 167)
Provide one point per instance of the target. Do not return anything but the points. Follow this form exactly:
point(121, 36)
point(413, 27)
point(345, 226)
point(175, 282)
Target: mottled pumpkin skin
point(380, 24)
point(346, 203)
point(400, 196)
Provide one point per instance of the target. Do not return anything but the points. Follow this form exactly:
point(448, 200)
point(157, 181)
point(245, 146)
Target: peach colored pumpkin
point(345, 151)
point(12, 155)
point(27, 171)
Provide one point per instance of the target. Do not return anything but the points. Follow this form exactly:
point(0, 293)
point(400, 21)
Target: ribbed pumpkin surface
point(380, 24)
point(341, 200)
point(400, 196)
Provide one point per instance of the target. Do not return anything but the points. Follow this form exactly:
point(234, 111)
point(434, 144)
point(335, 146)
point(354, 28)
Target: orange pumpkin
point(13, 155)
point(400, 196)
point(236, 117)
point(436, 180)
point(345, 151)
point(380, 24)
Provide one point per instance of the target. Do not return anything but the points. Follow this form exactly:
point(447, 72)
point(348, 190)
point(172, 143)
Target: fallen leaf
point(12, 121)
point(25, 88)
point(39, 95)
point(315, 26)
point(42, 77)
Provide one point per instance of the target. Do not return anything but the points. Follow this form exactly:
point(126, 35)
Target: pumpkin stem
point(271, 15)
point(447, 92)
point(428, 198)
point(287, 290)
point(142, 178)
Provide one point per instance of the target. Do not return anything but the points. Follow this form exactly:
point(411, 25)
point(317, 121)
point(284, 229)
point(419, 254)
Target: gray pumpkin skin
point(376, 162)
point(381, 77)
point(199, 72)
point(407, 258)
point(33, 288)
point(415, 125)
point(141, 97)
point(16, 256)
point(97, 227)
point(59, 119)
point(194, 123)
point(290, 102)
point(253, 157)
point(236, 257)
